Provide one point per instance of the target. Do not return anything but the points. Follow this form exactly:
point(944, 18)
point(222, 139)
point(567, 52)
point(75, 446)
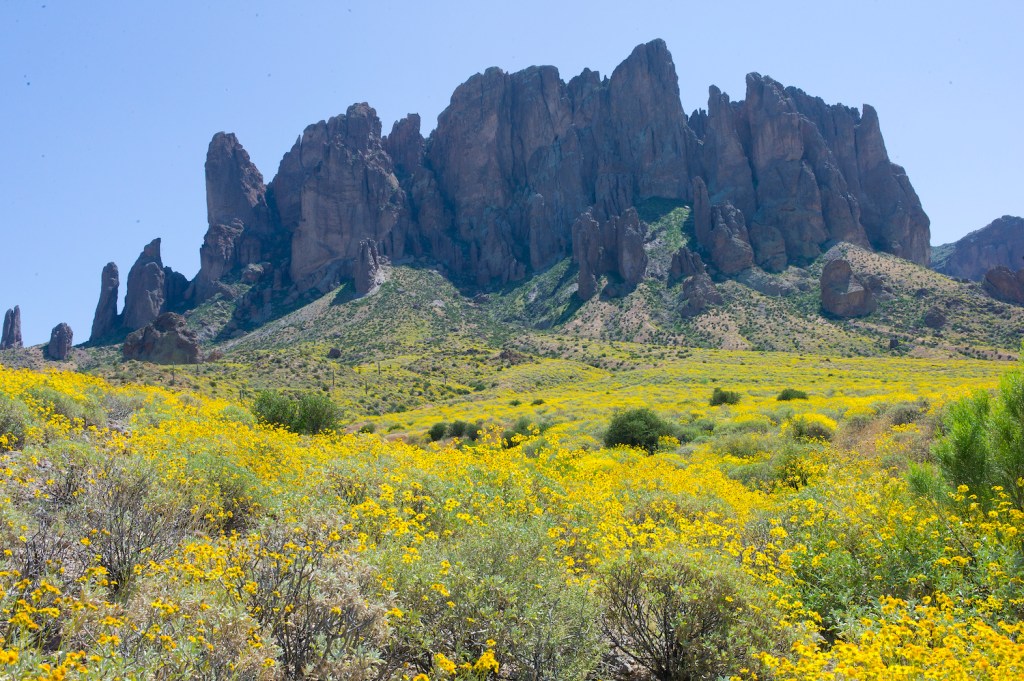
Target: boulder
point(935, 318)
point(696, 294)
point(59, 347)
point(165, 340)
point(105, 321)
point(1004, 284)
point(843, 294)
point(10, 339)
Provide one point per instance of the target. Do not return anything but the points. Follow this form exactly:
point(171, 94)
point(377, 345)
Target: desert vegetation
point(563, 530)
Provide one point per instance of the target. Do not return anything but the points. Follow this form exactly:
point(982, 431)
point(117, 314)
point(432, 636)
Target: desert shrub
point(236, 494)
point(316, 601)
point(684, 615)
point(274, 408)
point(317, 413)
point(438, 431)
point(639, 427)
point(85, 410)
point(791, 394)
point(368, 428)
point(982, 442)
point(14, 422)
point(810, 426)
point(311, 414)
point(458, 428)
point(540, 625)
point(720, 396)
point(129, 526)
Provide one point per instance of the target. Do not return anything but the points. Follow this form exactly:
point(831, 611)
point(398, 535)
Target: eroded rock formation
point(10, 339)
point(612, 246)
point(525, 169)
point(165, 340)
point(105, 321)
point(240, 230)
point(61, 342)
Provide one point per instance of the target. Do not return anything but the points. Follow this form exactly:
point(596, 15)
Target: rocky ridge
point(524, 170)
point(998, 244)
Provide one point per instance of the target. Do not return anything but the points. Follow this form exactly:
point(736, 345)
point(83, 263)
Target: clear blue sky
point(107, 107)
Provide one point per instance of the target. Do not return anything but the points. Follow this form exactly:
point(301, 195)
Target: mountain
point(526, 170)
point(998, 244)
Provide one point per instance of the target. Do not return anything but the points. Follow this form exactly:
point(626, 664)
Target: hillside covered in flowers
point(834, 533)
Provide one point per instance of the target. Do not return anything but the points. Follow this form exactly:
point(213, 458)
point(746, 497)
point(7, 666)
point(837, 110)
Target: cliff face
point(525, 169)
point(998, 244)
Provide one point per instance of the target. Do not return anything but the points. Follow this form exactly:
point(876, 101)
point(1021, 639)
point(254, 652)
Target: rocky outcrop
point(11, 337)
point(152, 289)
point(721, 231)
point(240, 230)
point(697, 292)
point(934, 318)
point(334, 189)
point(525, 169)
point(843, 294)
point(685, 263)
point(105, 321)
point(1005, 284)
point(611, 246)
point(998, 244)
point(59, 347)
point(369, 272)
point(166, 340)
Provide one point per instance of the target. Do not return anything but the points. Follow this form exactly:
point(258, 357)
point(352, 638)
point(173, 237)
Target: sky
point(107, 107)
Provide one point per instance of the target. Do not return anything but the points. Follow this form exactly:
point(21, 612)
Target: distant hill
point(998, 244)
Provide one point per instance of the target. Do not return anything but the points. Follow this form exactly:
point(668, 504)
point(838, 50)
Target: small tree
point(274, 408)
point(316, 413)
point(639, 427)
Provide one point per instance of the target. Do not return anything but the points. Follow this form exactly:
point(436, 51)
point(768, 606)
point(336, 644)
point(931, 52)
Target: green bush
point(312, 413)
point(682, 615)
point(982, 445)
point(719, 396)
point(438, 431)
point(14, 421)
point(274, 408)
point(791, 394)
point(317, 413)
point(639, 427)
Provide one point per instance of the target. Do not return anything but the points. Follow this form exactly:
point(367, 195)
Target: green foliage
point(438, 431)
point(720, 396)
point(982, 445)
point(312, 413)
point(316, 413)
point(86, 409)
point(274, 408)
point(638, 427)
point(682, 615)
point(14, 421)
point(791, 394)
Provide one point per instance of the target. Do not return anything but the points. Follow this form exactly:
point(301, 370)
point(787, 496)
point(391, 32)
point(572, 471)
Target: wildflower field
point(836, 533)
